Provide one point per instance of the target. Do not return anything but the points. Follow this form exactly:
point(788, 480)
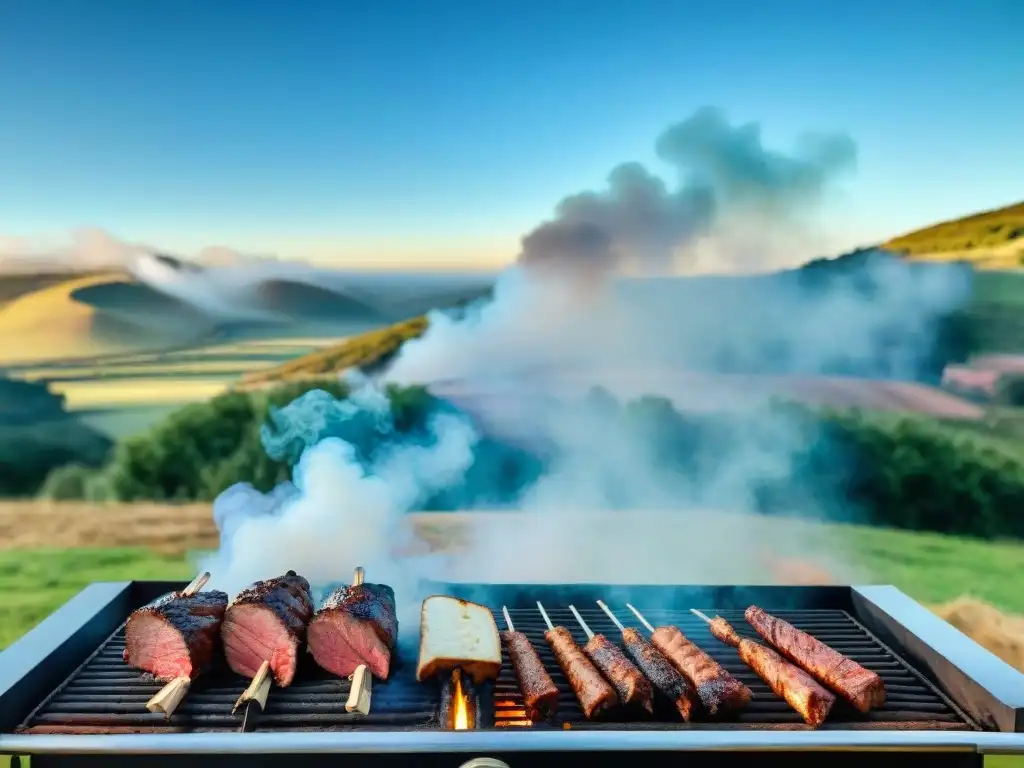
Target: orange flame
point(461, 708)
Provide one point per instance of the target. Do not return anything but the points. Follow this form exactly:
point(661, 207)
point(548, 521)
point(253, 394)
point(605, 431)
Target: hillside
point(58, 320)
point(990, 239)
point(365, 351)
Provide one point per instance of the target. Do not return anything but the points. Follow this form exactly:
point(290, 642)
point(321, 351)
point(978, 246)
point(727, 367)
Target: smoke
point(354, 478)
point(609, 503)
point(219, 282)
point(724, 176)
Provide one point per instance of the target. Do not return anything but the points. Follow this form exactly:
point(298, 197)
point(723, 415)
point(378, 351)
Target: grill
point(66, 697)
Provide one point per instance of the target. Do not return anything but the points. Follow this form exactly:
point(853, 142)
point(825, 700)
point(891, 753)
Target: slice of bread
point(455, 633)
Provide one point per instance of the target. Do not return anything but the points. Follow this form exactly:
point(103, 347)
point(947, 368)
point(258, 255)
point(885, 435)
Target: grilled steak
point(267, 622)
point(790, 683)
point(540, 696)
point(596, 697)
point(355, 625)
point(175, 635)
point(860, 686)
point(666, 678)
point(720, 693)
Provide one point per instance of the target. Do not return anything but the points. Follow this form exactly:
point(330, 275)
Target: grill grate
point(105, 695)
point(911, 702)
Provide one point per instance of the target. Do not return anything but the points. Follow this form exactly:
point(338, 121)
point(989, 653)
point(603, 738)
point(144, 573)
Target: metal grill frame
point(987, 689)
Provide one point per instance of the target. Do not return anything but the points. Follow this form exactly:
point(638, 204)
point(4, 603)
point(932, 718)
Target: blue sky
point(428, 132)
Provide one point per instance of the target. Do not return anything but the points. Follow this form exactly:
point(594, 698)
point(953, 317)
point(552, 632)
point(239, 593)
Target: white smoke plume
point(556, 326)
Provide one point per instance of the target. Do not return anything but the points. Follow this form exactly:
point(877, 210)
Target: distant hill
point(989, 240)
point(84, 316)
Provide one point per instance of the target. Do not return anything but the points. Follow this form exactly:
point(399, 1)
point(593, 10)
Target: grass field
point(55, 549)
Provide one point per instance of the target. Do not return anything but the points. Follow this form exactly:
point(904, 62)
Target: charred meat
point(790, 683)
point(355, 625)
point(665, 677)
point(633, 689)
point(176, 635)
point(861, 687)
point(595, 695)
point(720, 693)
point(267, 622)
point(540, 696)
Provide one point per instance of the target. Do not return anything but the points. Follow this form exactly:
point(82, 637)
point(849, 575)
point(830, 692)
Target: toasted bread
point(458, 634)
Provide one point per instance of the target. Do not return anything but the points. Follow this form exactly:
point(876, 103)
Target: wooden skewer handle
point(169, 697)
point(361, 690)
point(197, 584)
point(258, 690)
point(360, 693)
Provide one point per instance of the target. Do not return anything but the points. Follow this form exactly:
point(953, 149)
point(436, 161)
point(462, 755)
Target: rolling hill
point(991, 239)
point(56, 320)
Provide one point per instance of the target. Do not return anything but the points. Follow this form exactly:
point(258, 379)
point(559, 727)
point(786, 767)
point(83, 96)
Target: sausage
point(632, 688)
point(719, 692)
point(659, 671)
point(861, 687)
point(594, 693)
point(790, 683)
point(540, 696)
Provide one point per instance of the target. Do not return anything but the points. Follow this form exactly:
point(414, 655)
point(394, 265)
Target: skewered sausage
point(540, 696)
point(790, 683)
point(666, 678)
point(633, 689)
point(719, 692)
point(594, 693)
point(861, 687)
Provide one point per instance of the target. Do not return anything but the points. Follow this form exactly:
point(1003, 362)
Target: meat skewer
point(861, 687)
point(360, 691)
point(355, 626)
point(262, 630)
point(790, 683)
point(593, 692)
point(173, 639)
point(720, 693)
point(540, 696)
point(666, 678)
point(633, 689)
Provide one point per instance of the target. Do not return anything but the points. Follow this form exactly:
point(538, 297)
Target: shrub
point(901, 471)
point(28, 453)
point(1010, 390)
point(198, 451)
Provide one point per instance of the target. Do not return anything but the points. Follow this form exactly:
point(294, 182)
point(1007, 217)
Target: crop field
point(123, 394)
